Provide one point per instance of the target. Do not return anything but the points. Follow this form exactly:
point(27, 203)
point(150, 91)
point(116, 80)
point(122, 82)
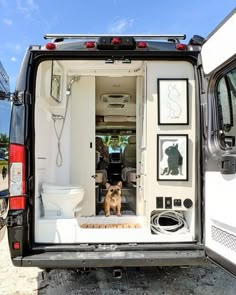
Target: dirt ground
point(144, 281)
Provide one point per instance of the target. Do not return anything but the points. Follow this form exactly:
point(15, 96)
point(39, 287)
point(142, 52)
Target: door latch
point(228, 164)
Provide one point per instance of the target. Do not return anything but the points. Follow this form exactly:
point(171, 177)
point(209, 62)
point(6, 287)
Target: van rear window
point(17, 124)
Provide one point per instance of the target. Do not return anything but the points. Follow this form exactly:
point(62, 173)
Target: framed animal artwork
point(173, 101)
point(172, 157)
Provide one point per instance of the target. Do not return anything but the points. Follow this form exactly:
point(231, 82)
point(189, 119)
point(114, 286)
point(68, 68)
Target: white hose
point(180, 227)
point(59, 159)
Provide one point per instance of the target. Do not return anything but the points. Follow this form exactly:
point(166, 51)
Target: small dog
point(113, 199)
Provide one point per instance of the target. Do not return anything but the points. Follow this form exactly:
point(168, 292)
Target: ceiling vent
point(113, 99)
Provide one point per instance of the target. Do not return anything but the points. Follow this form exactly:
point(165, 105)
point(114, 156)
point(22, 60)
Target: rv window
point(226, 101)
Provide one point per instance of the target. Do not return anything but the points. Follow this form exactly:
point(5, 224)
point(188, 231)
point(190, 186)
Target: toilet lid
point(69, 188)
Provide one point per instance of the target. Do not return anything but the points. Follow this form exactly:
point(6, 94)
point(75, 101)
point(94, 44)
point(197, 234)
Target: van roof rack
point(60, 37)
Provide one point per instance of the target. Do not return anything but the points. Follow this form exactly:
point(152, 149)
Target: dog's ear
point(107, 185)
point(119, 184)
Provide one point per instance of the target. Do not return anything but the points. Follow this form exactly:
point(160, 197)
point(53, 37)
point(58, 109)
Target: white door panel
point(83, 140)
point(220, 46)
point(140, 134)
point(220, 186)
point(220, 207)
point(169, 188)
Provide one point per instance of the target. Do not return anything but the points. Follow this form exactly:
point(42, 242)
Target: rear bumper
point(111, 259)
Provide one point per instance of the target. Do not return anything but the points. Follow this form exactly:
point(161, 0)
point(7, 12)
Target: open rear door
point(5, 109)
point(219, 65)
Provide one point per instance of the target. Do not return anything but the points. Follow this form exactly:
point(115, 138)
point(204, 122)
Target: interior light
point(50, 46)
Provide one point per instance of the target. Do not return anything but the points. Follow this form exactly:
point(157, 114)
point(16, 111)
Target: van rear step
point(111, 259)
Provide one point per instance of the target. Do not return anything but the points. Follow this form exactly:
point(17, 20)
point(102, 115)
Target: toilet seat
point(60, 189)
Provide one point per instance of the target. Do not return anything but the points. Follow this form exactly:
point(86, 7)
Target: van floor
point(102, 229)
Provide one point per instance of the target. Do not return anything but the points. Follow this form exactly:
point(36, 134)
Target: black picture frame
point(173, 101)
point(172, 157)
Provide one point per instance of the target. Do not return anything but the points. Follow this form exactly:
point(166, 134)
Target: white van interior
point(98, 122)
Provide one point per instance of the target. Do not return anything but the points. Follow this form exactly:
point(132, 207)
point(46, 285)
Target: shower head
point(73, 79)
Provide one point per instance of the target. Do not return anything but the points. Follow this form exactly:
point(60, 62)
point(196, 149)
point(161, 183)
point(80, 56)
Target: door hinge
point(20, 98)
point(16, 99)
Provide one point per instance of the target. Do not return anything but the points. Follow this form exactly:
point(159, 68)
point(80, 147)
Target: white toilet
point(62, 201)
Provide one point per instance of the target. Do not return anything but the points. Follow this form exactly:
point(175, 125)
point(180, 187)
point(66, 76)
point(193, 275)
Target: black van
point(122, 152)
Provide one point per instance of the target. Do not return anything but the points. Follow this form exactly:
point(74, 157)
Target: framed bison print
point(172, 157)
point(173, 101)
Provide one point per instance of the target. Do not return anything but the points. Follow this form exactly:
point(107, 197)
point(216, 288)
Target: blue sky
point(24, 22)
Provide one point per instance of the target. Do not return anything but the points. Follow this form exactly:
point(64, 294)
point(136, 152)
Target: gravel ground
point(144, 281)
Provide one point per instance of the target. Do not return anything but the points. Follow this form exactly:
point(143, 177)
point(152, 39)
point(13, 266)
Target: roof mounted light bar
point(60, 37)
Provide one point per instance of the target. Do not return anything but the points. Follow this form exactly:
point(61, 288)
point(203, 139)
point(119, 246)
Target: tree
point(4, 139)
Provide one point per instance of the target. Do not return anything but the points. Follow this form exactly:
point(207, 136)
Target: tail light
point(17, 180)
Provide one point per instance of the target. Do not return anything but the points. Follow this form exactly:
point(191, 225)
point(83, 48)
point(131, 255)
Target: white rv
point(150, 113)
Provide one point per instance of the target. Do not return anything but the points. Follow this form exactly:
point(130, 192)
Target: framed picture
point(173, 102)
point(172, 157)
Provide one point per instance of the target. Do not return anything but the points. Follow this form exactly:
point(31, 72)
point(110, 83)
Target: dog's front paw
point(107, 214)
point(118, 214)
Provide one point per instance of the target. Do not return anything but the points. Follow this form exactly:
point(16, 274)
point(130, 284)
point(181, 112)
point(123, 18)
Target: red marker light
point(116, 40)
point(142, 44)
point(89, 44)
point(181, 46)
point(16, 245)
point(51, 46)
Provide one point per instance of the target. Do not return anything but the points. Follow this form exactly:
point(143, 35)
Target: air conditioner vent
point(226, 239)
point(115, 98)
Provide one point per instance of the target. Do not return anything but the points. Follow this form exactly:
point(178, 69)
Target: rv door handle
point(94, 176)
point(228, 164)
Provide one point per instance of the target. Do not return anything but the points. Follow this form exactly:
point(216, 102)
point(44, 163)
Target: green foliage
point(4, 138)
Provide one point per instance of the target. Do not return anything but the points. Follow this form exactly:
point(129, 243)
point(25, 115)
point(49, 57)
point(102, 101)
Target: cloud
point(17, 47)
point(12, 47)
point(120, 26)
point(27, 7)
point(7, 21)
point(13, 59)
